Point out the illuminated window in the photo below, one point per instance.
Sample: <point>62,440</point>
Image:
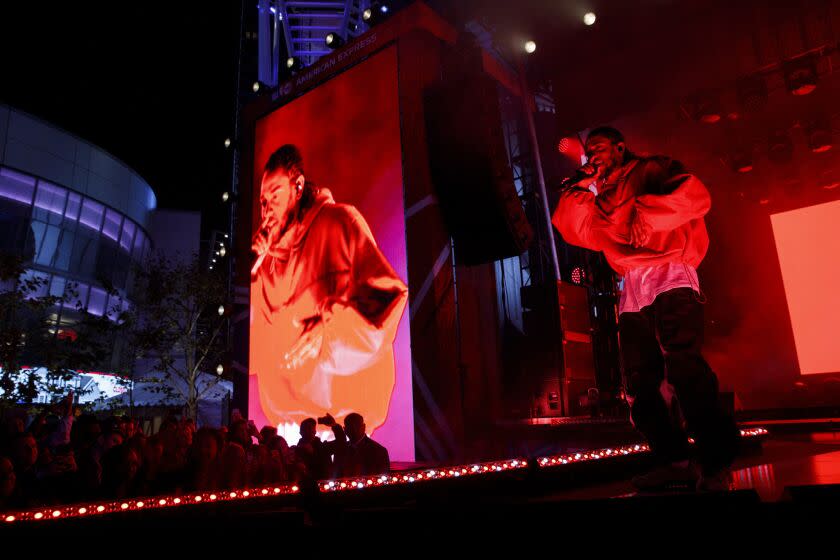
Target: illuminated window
<point>92,213</point>
<point>16,186</point>
<point>113,222</point>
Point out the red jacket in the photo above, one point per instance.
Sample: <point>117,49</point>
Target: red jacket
<point>330,268</point>
<point>668,199</point>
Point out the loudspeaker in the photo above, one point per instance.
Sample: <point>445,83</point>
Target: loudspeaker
<point>470,170</point>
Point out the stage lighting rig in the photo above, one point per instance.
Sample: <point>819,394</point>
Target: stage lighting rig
<point>377,13</point>
<point>801,75</point>
<point>228,196</point>
<point>294,64</point>
<point>334,40</point>
<point>819,136</point>
<point>741,161</point>
<point>260,88</point>
<point>704,107</point>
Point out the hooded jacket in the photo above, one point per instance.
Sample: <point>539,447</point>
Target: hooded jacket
<point>661,193</point>
<point>329,267</point>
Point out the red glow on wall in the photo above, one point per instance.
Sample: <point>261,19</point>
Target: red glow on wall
<point>808,245</point>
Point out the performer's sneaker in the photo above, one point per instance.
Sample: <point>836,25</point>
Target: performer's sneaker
<point>718,481</point>
<point>667,477</point>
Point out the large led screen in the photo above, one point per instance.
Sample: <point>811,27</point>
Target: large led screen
<point>329,332</point>
<point>808,244</point>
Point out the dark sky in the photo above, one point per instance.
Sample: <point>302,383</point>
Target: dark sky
<point>151,82</point>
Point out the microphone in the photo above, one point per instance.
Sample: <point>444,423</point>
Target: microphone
<point>583,172</point>
<point>260,256</point>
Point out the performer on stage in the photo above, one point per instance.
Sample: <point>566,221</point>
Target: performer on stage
<point>325,303</point>
<point>647,219</point>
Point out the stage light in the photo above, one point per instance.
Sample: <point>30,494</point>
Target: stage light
<point>819,136</point>
<point>589,18</point>
<point>752,93</point>
<point>228,196</point>
<point>578,275</point>
<point>801,75</point>
<point>226,236</point>
<point>228,142</point>
<point>780,146</point>
<point>222,251</point>
<point>221,310</point>
<point>741,161</point>
<point>530,47</point>
<point>220,369</point>
<point>564,146</point>
<point>705,107</point>
<point>294,64</point>
<point>334,40</point>
<point>376,13</point>
<point>260,88</point>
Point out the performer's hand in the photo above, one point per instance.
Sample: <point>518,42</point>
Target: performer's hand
<point>639,231</point>
<point>266,236</point>
<point>308,345</point>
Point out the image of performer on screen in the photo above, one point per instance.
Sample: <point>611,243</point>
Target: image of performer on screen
<point>325,303</point>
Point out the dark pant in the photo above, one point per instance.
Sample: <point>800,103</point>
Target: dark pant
<point>662,341</point>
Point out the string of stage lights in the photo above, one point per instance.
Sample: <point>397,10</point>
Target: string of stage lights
<point>341,485</point>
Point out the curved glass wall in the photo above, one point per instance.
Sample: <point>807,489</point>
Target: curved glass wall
<point>68,238</point>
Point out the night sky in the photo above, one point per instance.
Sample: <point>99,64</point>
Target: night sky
<point>151,82</point>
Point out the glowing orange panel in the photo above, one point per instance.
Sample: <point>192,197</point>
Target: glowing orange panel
<point>808,244</point>
<point>328,328</point>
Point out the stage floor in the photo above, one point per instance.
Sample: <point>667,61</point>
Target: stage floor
<point>785,460</point>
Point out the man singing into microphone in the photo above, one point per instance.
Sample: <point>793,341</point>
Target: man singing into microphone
<point>647,219</point>
<point>325,303</point>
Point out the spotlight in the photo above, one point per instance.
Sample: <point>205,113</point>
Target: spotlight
<point>705,108</point>
<point>377,12</point>
<point>228,196</point>
<point>752,93</point>
<point>741,161</point>
<point>589,18</point>
<point>221,311</point>
<point>819,136</point>
<point>228,142</point>
<point>220,369</point>
<point>294,64</point>
<point>578,275</point>
<point>222,251</point>
<point>564,146</point>
<point>530,47</point>
<point>780,147</point>
<point>334,40</point>
<point>260,88</point>
<point>801,75</point>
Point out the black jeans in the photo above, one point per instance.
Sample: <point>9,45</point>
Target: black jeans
<point>661,341</point>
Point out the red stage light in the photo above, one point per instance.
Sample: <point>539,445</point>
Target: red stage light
<point>565,145</point>
<point>578,275</point>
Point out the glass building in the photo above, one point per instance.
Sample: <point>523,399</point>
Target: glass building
<point>77,215</point>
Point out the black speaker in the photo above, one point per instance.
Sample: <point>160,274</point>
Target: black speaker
<point>470,169</point>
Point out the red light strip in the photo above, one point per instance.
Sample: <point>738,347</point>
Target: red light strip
<point>405,478</point>
<point>102,508</point>
<point>411,477</point>
<point>586,456</point>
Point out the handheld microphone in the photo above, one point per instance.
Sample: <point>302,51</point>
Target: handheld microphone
<point>260,256</point>
<point>583,172</point>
